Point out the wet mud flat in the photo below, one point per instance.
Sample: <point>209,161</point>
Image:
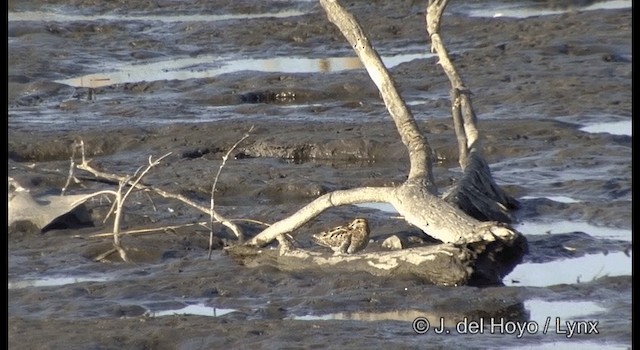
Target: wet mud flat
<point>537,83</point>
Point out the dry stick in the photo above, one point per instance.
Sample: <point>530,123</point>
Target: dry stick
<point>153,205</point>
<point>116,222</point>
<point>458,126</point>
<point>94,194</point>
<point>142,230</point>
<point>105,254</point>
<point>213,189</point>
<point>253,221</point>
<point>120,199</point>
<point>100,174</point>
<point>460,93</point>
<point>72,166</point>
<point>118,205</point>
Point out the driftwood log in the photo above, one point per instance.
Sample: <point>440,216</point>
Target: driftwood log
<point>478,246</point>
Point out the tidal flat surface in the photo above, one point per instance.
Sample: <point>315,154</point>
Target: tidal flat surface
<point>551,86</point>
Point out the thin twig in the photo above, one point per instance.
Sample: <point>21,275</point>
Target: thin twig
<point>120,199</point>
<point>213,189</point>
<point>83,199</point>
<point>116,222</point>
<point>113,177</point>
<point>72,166</point>
<point>141,231</point>
<point>253,221</point>
<point>153,205</point>
<point>105,254</point>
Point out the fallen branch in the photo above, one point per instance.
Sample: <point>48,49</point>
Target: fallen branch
<point>42,211</point>
<point>444,264</point>
<point>144,230</point>
<point>84,165</point>
<point>472,240</point>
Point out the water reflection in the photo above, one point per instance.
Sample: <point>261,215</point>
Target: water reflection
<point>559,199</point>
<point>539,228</point>
<point>210,66</point>
<point>573,345</point>
<point>196,309</point>
<point>570,271</point>
<point>448,319</point>
<point>53,281</point>
<point>540,310</point>
<point>42,16</point>
<point>517,10</point>
<point>400,315</point>
<point>613,128</point>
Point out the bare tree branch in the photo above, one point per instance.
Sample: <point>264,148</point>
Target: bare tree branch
<point>212,214</point>
<point>460,96</point>
<point>476,193</point>
<point>415,200</point>
<point>419,149</point>
<point>320,204</point>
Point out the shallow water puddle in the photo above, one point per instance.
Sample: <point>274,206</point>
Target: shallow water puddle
<point>43,16</point>
<point>581,269</point>
<point>436,319</point>
<point>541,310</point>
<point>196,309</point>
<point>210,66</point>
<point>570,271</point>
<point>538,228</point>
<point>401,315</point>
<point>614,128</point>
<point>55,281</point>
<point>384,207</point>
<point>559,199</point>
<point>516,10</point>
<point>573,345</point>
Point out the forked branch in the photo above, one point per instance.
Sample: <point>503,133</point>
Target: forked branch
<point>476,192</point>
<point>84,165</point>
<point>416,199</point>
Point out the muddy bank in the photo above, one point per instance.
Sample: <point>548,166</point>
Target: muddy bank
<point>536,83</point>
<point>278,163</point>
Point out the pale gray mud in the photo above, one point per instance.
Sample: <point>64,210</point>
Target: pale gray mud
<point>144,78</point>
